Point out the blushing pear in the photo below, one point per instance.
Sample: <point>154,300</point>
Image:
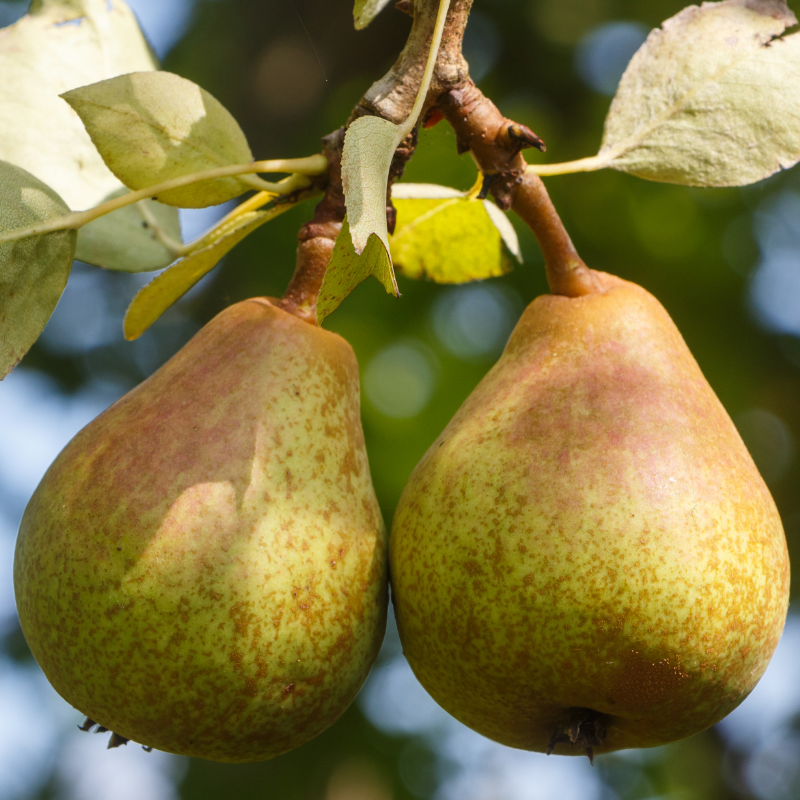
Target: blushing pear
<point>587,558</point>
<point>203,568</point>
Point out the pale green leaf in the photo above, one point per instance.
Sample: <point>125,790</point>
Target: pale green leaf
<point>347,269</point>
<point>710,99</point>
<point>33,271</point>
<point>369,147</point>
<point>168,287</point>
<point>448,240</point>
<point>150,127</point>
<point>58,45</point>
<point>147,239</point>
<point>366,10</point>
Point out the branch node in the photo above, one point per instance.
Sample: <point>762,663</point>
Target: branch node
<point>496,144</point>
<point>524,137</point>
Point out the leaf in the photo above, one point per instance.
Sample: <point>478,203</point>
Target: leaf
<point>144,241</point>
<point>505,229</point>
<point>58,45</point>
<point>369,147</point>
<point>150,127</point>
<point>710,99</point>
<point>33,271</point>
<point>362,247</point>
<point>412,191</point>
<point>168,287</point>
<point>366,10</point>
<point>448,236</point>
<point>347,269</point>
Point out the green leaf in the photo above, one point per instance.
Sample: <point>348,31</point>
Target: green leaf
<point>366,10</point>
<point>58,45</point>
<point>150,127</point>
<point>168,287</point>
<point>446,236</point>
<point>33,271</point>
<point>347,269</point>
<point>710,99</point>
<point>148,236</point>
<point>369,147</point>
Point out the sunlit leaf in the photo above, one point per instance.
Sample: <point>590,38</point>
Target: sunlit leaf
<point>366,10</point>
<point>710,99</point>
<point>168,287</point>
<point>153,126</point>
<point>347,269</point>
<point>446,236</point>
<point>33,271</point>
<point>504,227</point>
<point>58,45</point>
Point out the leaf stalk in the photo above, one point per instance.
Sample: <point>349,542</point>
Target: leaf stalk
<point>301,167</point>
<point>590,164</point>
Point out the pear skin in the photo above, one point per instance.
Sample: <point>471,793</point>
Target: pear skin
<point>203,567</point>
<point>587,557</point>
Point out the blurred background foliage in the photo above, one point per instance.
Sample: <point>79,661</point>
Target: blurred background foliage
<point>723,262</point>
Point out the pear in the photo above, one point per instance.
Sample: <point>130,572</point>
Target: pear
<point>587,558</point>
<point>203,567</point>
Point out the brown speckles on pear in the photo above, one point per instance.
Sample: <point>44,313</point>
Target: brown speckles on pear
<point>615,547</point>
<point>230,480</point>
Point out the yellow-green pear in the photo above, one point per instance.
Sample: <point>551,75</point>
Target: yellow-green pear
<point>203,568</point>
<point>587,557</point>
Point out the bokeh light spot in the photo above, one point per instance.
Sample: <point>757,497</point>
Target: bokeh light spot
<point>475,321</point>
<point>399,380</point>
<point>604,53</point>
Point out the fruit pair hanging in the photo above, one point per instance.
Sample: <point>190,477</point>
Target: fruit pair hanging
<point>585,560</point>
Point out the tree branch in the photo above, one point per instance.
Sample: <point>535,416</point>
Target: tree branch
<point>496,143</point>
<point>392,97</point>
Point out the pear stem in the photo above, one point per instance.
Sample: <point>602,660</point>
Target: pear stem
<point>567,274</point>
<point>496,144</point>
<point>317,238</point>
<point>313,255</point>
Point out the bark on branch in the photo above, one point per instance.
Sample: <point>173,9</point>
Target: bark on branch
<point>496,143</point>
<point>392,97</point>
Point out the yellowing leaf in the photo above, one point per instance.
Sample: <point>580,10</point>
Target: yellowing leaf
<point>167,288</point>
<point>58,45</point>
<point>150,127</point>
<point>504,227</point>
<point>366,10</point>
<point>33,271</point>
<point>710,99</point>
<point>446,236</point>
<point>347,269</point>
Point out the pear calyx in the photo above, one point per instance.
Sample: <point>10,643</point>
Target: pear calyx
<point>581,727</point>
